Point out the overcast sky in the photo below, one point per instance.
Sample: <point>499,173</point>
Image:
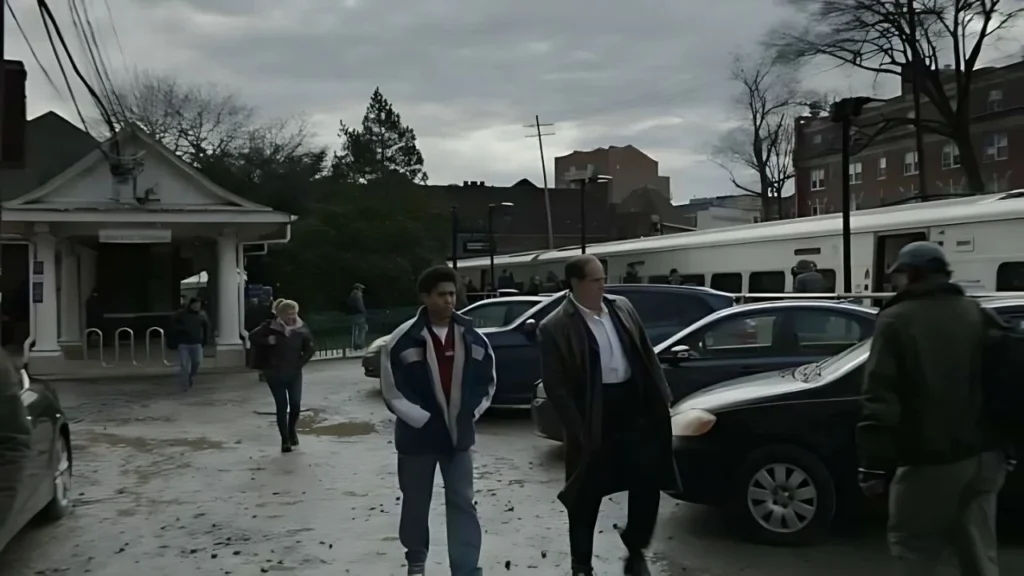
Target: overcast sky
<point>465,74</point>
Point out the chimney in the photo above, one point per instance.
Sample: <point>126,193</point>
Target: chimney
<point>482,183</point>
<point>14,114</point>
<point>465,182</point>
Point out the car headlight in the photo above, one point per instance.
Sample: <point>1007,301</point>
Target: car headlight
<point>540,391</point>
<point>376,345</point>
<point>694,422</point>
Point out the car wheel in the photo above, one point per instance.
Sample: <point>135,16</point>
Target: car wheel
<point>782,495</point>
<point>60,505</point>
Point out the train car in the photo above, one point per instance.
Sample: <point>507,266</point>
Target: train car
<point>983,237</point>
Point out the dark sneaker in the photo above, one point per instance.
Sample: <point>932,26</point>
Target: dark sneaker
<point>294,439</point>
<point>582,570</point>
<point>417,569</point>
<point>286,447</point>
<point>636,565</point>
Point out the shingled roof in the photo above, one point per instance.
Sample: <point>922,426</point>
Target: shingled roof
<point>53,144</point>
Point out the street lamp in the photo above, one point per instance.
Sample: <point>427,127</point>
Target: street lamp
<point>584,177</point>
<point>843,112</point>
<point>455,237</point>
<point>490,237</point>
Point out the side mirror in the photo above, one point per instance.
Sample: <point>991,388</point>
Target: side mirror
<point>530,328</point>
<point>676,354</point>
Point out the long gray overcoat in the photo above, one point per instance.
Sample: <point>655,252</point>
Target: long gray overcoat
<point>572,380</point>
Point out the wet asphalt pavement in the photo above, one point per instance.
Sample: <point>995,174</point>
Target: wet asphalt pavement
<point>171,483</point>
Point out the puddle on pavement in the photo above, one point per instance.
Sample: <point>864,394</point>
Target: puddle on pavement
<point>314,423</point>
<point>150,444</point>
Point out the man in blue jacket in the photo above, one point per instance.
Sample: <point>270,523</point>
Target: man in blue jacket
<point>437,377</point>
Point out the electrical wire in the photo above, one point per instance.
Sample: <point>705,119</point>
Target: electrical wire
<point>63,72</point>
<point>31,49</point>
<point>87,33</point>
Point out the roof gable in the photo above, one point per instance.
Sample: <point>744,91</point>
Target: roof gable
<point>45,160</point>
<point>164,168</point>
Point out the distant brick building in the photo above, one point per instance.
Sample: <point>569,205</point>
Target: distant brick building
<point>887,170</point>
<point>629,168</point>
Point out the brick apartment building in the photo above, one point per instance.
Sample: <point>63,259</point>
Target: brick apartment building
<point>887,170</point>
<point>629,168</point>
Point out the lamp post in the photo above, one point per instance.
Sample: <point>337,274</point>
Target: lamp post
<point>455,237</point>
<point>490,237</point>
<point>843,112</point>
<point>584,177</point>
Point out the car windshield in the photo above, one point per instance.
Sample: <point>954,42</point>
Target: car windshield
<point>832,364</point>
<point>550,303</point>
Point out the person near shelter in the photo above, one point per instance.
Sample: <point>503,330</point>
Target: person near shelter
<point>192,331</point>
<point>924,417</point>
<point>357,309</point>
<point>807,279</point>
<point>437,378</point>
<point>286,346</point>
<point>605,382</point>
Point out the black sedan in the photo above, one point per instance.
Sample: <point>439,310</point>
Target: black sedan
<point>777,451</point>
<point>744,340</point>
<point>35,457</point>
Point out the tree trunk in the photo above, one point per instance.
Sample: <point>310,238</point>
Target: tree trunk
<point>970,162</point>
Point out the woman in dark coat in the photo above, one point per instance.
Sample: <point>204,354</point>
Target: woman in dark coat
<point>284,346</point>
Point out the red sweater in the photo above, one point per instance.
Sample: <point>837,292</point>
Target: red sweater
<point>444,353</point>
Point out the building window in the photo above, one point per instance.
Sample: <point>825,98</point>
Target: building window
<point>910,163</point>
<point>817,207</point>
<point>883,167</point>
<point>856,173</point>
<point>950,156</point>
<point>818,179</point>
<point>995,101</point>
<point>997,147</point>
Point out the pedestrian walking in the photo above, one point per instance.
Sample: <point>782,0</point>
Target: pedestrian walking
<point>192,331</point>
<point>607,386</point>
<point>437,378</point>
<point>924,419</point>
<point>807,279</point>
<point>287,345</point>
<point>357,309</point>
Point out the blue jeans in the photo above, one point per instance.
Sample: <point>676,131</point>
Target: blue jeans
<point>359,328</point>
<point>190,356</point>
<point>416,480</point>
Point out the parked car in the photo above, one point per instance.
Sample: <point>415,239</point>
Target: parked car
<point>663,309</point>
<point>743,340</point>
<point>777,451</point>
<point>490,313</point>
<point>44,483</point>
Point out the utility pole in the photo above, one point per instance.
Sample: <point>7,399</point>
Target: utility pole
<point>3,78</point>
<point>544,170</point>
<point>843,112</point>
<point>915,79</point>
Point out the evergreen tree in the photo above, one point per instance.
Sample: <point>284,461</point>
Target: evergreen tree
<point>381,147</point>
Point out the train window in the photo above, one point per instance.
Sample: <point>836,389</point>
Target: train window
<point>692,279</point>
<point>1010,277</point>
<point>767,282</point>
<point>731,282</point>
<point>829,276</point>
<point>658,279</point>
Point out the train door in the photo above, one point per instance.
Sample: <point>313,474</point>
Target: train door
<point>887,247</point>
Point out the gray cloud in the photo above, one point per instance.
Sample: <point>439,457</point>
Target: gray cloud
<point>465,74</point>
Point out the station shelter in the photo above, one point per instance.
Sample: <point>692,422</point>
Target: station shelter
<point>93,258</point>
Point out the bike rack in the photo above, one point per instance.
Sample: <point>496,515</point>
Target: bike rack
<point>117,344</point>
<point>163,345</point>
<point>85,346</point>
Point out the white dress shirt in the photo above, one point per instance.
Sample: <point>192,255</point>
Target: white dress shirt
<point>614,362</point>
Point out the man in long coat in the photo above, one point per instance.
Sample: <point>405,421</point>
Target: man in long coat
<point>603,378</point>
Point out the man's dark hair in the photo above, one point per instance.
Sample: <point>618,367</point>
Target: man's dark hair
<point>192,301</point>
<point>435,275</point>
<point>673,271</point>
<point>576,268</point>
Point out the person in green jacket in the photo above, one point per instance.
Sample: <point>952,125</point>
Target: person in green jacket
<point>924,420</point>
<point>15,437</point>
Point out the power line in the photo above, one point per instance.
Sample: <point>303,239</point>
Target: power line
<point>60,65</point>
<point>544,170</point>
<point>32,49</point>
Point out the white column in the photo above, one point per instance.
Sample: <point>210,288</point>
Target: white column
<point>70,303</point>
<point>46,311</point>
<point>227,292</point>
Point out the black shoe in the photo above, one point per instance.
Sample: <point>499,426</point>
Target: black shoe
<point>293,439</point>
<point>286,447</point>
<point>636,565</point>
<point>582,570</point>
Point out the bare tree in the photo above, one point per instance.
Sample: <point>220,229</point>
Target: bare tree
<point>915,39</point>
<point>194,122</point>
<point>763,145</point>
